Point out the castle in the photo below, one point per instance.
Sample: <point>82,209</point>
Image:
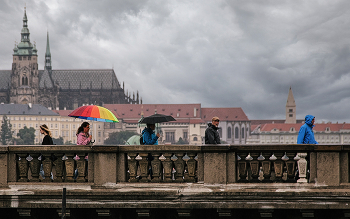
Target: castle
<point>57,89</point>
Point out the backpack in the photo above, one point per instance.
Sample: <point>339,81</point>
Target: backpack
<point>141,140</point>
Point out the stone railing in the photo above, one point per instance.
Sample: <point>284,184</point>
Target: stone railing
<point>210,164</point>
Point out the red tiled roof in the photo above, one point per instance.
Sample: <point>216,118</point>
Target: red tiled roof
<point>225,114</point>
<point>134,111</point>
<point>283,127</point>
<point>319,127</point>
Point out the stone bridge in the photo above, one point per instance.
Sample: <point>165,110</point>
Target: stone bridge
<point>175,181</point>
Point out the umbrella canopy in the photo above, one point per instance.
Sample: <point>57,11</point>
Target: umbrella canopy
<point>156,118</point>
<point>93,112</point>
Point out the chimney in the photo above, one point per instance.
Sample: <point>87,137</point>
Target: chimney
<point>30,105</point>
<point>49,108</point>
<point>57,108</point>
<point>64,108</point>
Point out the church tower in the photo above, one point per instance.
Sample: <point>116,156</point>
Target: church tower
<point>48,55</point>
<point>25,74</point>
<point>290,108</point>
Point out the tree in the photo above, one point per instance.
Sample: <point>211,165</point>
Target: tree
<point>181,141</point>
<point>6,131</point>
<point>119,137</point>
<point>58,141</point>
<point>26,136</point>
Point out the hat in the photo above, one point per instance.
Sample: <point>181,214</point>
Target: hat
<point>215,118</point>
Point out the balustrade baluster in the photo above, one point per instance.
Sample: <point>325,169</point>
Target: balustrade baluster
<point>70,167</point>
<point>132,165</point>
<point>168,167</point>
<point>291,166</point>
<point>266,167</point>
<point>156,167</point>
<point>34,165</point>
<point>242,168</point>
<point>302,168</point>
<point>191,168</point>
<point>278,165</point>
<point>254,167</point>
<point>179,167</point>
<point>144,167</point>
<point>81,166</point>
<point>47,166</point>
<point>59,164</point>
<point>23,167</point>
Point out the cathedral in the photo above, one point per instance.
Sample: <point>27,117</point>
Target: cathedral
<point>57,89</point>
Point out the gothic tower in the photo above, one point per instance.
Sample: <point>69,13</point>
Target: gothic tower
<point>25,74</point>
<point>290,108</point>
<point>48,55</point>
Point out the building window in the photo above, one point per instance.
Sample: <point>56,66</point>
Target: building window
<point>243,132</point>
<point>229,132</point>
<point>290,110</point>
<point>99,134</point>
<point>170,137</point>
<point>112,125</point>
<point>290,115</point>
<point>195,139</point>
<point>236,132</point>
<point>185,135</point>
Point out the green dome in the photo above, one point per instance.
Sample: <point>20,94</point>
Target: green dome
<point>133,140</point>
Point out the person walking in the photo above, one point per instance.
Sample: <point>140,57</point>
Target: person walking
<point>211,133</point>
<point>148,135</point>
<point>83,136</point>
<point>306,134</point>
<point>47,140</point>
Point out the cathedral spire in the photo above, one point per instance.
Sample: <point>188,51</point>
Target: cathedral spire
<point>48,55</point>
<point>290,108</point>
<point>25,48</point>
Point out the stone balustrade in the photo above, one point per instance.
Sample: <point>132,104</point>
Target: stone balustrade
<point>211,164</point>
<point>216,181</point>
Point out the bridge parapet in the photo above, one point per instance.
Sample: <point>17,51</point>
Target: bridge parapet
<point>211,164</point>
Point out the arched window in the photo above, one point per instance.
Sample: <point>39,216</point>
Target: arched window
<point>229,132</point>
<point>24,80</point>
<point>236,132</point>
<point>242,132</point>
<point>195,139</point>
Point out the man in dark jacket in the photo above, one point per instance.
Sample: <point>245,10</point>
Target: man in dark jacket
<point>211,133</point>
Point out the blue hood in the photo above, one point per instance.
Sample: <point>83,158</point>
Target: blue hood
<point>308,119</point>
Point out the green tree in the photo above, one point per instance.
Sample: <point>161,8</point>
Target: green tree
<point>58,141</point>
<point>6,131</point>
<point>181,141</point>
<point>26,136</point>
<point>68,143</point>
<point>119,137</point>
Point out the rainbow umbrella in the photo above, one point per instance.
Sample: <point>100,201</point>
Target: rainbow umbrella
<point>93,112</point>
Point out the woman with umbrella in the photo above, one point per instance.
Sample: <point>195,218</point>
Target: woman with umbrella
<point>83,137</point>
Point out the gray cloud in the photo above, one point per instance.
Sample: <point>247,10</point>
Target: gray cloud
<point>219,53</point>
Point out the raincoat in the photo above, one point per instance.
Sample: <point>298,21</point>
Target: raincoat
<point>149,137</point>
<point>306,135</point>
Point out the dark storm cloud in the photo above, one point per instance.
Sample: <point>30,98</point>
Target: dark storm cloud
<point>219,53</point>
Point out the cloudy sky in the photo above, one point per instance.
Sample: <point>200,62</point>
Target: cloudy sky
<point>237,53</point>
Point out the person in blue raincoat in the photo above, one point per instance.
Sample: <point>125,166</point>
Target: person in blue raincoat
<point>306,135</point>
<point>148,135</point>
<point>150,138</point>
